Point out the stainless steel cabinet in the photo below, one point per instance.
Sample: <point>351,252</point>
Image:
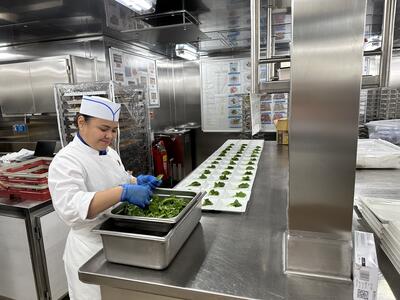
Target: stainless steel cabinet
<point>32,245</point>
<point>15,87</point>
<point>54,235</point>
<point>17,280</point>
<point>28,87</point>
<point>43,76</point>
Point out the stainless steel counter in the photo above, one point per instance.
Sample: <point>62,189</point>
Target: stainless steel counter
<point>35,256</point>
<point>17,204</point>
<point>230,256</point>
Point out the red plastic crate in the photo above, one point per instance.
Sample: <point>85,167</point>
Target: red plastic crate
<point>26,180</point>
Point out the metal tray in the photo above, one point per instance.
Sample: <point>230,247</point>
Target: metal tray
<point>137,246</point>
<point>156,224</point>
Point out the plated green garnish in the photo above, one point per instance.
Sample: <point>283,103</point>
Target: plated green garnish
<point>243,186</point>
<point>223,177</point>
<point>240,195</point>
<point>213,193</point>
<point>207,202</point>
<point>235,203</point>
<point>219,184</point>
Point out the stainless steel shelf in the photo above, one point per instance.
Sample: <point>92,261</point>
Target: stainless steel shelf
<point>283,86</point>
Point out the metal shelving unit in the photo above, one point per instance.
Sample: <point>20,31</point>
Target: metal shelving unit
<point>134,124</point>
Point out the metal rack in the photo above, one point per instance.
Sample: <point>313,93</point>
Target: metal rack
<point>379,104</point>
<point>133,141</point>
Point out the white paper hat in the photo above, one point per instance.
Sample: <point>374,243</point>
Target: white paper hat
<point>100,107</point>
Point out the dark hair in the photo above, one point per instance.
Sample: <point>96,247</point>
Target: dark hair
<point>86,117</point>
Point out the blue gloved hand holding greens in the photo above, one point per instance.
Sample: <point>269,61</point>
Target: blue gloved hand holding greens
<point>139,195</point>
<point>148,180</point>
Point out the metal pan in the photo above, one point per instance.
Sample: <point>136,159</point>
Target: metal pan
<point>156,224</point>
<point>137,246</point>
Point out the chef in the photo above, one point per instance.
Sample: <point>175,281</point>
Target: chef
<point>85,179</point>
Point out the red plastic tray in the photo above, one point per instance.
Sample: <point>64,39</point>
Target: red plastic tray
<point>26,194</point>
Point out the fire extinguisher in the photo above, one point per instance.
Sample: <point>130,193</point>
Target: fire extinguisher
<point>160,158</point>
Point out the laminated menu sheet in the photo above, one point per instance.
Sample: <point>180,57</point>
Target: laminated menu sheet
<point>273,107</point>
<point>133,70</point>
<point>225,84</point>
<point>377,154</point>
<point>227,176</point>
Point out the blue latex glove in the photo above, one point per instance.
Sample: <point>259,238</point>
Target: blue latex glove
<point>139,195</point>
<point>148,180</point>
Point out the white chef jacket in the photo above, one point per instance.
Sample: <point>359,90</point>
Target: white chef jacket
<point>76,173</point>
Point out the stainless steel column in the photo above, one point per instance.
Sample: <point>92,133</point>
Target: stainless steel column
<point>326,68</point>
<point>389,16</point>
<point>255,45</point>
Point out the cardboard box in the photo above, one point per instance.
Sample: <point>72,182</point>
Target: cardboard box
<point>282,133</point>
<point>365,267</point>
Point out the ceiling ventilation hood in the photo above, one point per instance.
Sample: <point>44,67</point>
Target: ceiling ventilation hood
<point>171,23</point>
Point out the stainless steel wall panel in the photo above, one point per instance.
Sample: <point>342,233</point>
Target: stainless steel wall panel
<point>191,85</point>
<point>16,92</point>
<point>326,68</point>
<point>163,116</point>
<point>44,74</point>
<point>84,69</point>
<point>179,92</point>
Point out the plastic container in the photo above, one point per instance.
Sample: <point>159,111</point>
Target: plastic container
<point>388,130</point>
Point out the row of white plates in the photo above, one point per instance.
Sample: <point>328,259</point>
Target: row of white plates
<point>223,201</point>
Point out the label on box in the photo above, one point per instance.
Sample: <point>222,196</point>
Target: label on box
<point>365,267</point>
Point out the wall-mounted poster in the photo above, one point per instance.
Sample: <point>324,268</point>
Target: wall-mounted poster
<point>224,84</point>
<point>131,69</point>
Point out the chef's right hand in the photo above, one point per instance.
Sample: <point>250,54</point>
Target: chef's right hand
<point>139,195</point>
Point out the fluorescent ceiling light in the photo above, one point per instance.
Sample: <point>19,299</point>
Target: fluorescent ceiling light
<point>186,51</point>
<point>9,56</point>
<point>139,6</point>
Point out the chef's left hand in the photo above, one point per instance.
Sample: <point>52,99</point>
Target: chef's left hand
<point>148,180</point>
